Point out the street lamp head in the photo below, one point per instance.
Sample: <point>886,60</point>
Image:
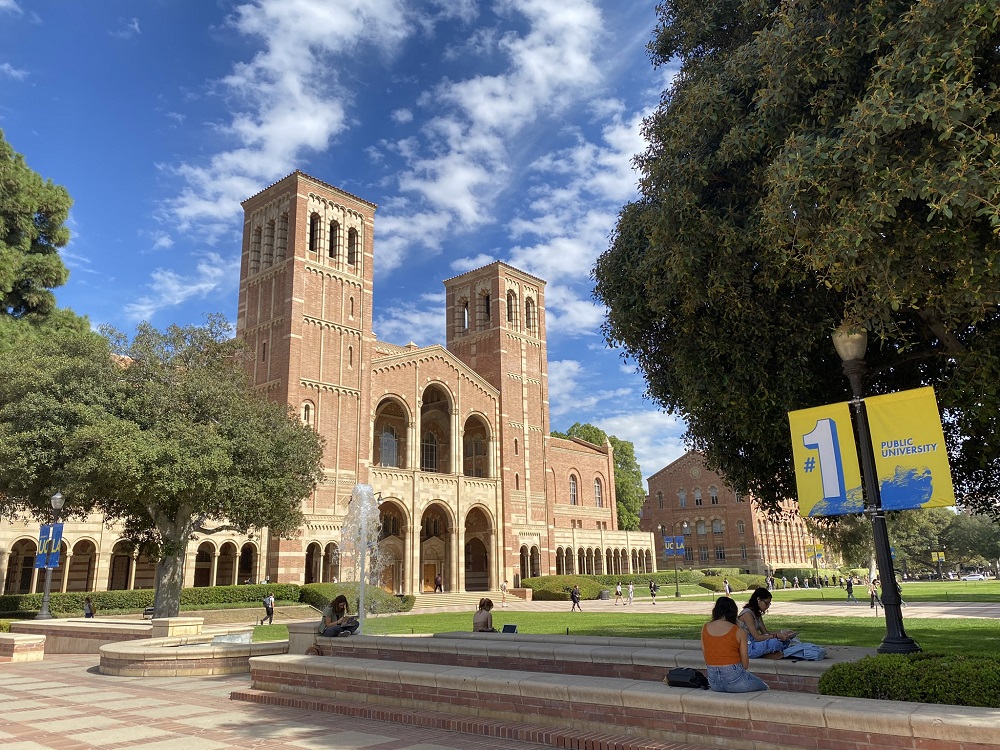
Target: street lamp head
<point>57,501</point>
<point>684,525</point>
<point>850,341</point>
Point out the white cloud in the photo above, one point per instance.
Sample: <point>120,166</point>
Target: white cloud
<point>168,288</point>
<point>402,116</point>
<point>128,29</point>
<point>656,436</point>
<point>10,71</point>
<point>422,324</point>
<point>570,393</point>
<point>162,241</point>
<point>291,98</point>
<point>10,6</point>
<point>461,265</point>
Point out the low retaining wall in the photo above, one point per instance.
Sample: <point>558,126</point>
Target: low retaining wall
<point>774,720</point>
<point>183,655</point>
<point>81,636</point>
<point>17,647</point>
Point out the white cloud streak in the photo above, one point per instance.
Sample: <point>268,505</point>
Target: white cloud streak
<point>169,288</point>
<point>8,70</point>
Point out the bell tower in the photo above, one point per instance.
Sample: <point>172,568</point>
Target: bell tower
<point>496,325</point>
<point>305,310</point>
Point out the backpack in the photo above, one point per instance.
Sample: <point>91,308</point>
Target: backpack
<point>802,650</point>
<point>686,677</point>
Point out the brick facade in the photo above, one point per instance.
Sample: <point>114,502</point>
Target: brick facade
<point>455,437</point>
<point>724,529</point>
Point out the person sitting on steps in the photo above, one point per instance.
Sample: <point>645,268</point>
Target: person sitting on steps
<point>760,642</point>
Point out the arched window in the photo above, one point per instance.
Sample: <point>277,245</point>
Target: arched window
<point>529,314</point>
<point>281,244</point>
<point>572,489</point>
<point>333,246</point>
<point>659,500</point>
<point>513,316</point>
<point>352,246</point>
<point>269,244</point>
<point>515,446</point>
<point>713,493</point>
<point>429,452</point>
<point>388,447</point>
<point>598,499</point>
<point>314,233</point>
<point>697,496</point>
<point>517,481</point>
<point>682,498</point>
<point>716,526</point>
<point>483,311</point>
<point>255,250</point>
<point>308,413</point>
<point>351,312</point>
<point>350,357</point>
<point>700,528</point>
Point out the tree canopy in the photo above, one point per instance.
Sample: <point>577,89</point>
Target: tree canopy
<point>32,216</point>
<point>629,493</point>
<point>814,164</point>
<point>162,434</point>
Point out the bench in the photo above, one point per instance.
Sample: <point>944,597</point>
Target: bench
<point>626,658</point>
<point>148,612</point>
<point>501,702</point>
<point>21,647</point>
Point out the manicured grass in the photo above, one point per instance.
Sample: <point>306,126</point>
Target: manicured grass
<point>958,635</point>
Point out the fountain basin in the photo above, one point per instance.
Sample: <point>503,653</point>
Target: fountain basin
<point>183,655</point>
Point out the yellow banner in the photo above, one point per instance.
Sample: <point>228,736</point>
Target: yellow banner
<point>911,459</point>
<point>827,475</point>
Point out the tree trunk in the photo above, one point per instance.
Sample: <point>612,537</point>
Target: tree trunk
<point>169,580</point>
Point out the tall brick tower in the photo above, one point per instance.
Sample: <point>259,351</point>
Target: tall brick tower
<point>305,310</point>
<point>496,325</point>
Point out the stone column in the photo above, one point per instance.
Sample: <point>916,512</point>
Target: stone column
<point>68,557</point>
<point>133,562</point>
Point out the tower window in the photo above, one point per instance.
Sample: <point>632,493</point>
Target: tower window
<point>352,247</point>
<point>598,499</point>
<point>572,489</point>
<point>513,317</point>
<point>255,251</point>
<point>334,241</point>
<point>529,314</point>
<point>314,233</point>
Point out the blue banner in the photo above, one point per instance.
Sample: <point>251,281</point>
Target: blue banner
<point>673,545</point>
<point>49,544</point>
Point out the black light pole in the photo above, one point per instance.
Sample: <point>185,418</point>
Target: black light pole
<point>851,343</point>
<point>57,501</point>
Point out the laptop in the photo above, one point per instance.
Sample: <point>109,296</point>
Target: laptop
<point>509,629</point>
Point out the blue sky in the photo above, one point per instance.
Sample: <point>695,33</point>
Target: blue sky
<point>484,131</point>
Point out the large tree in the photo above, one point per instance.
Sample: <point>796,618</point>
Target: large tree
<point>814,164</point>
<point>162,434</point>
<point>629,493</point>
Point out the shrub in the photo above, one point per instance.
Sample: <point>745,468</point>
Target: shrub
<point>377,600</point>
<point>951,679</point>
<point>663,577</point>
<point>755,582</point>
<point>557,588</point>
<point>717,583</point>
<point>406,602</point>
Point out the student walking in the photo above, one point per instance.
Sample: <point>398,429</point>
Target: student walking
<point>850,591</point>
<point>653,588</point>
<point>574,597</point>
<point>503,594</point>
<point>618,594</point>
<point>268,609</point>
<point>631,593</point>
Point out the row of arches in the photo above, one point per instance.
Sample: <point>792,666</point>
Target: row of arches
<point>592,561</point>
<point>269,243</point>
<point>327,238</point>
<point>481,308</point>
<point>125,567</point>
<point>428,446</point>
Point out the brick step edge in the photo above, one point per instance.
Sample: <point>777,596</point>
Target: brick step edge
<point>569,739</point>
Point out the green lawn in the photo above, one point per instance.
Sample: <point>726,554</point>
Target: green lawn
<point>924,591</point>
<point>957,635</point>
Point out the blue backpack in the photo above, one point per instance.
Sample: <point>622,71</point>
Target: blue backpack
<point>805,651</point>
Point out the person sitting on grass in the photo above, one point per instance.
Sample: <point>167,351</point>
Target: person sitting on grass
<point>762,643</point>
<point>336,620</point>
<point>482,621</point>
<point>724,644</point>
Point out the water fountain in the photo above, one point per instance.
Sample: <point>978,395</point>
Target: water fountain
<point>360,537</point>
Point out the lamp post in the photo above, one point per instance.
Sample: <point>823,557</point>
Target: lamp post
<point>57,501</point>
<point>851,343</point>
<point>684,525</point>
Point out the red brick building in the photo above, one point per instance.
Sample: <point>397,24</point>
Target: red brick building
<point>455,437</point>
<point>723,528</point>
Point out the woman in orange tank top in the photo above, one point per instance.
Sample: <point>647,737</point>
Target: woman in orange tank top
<point>726,656</point>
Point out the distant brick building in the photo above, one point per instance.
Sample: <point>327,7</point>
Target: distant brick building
<point>454,437</point>
<point>723,528</point>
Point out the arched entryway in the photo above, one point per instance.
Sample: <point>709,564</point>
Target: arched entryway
<point>435,430</point>
<point>392,546</point>
<point>435,548</point>
<point>248,564</point>
<point>203,562</point>
<point>478,541</point>
<point>226,566</point>
<point>122,562</point>
<point>331,563</point>
<point>82,574</point>
<point>314,563</point>
<point>20,567</point>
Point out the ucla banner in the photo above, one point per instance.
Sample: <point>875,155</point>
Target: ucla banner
<point>49,543</point>
<point>673,545</point>
<point>827,475</point>
<point>911,459</point>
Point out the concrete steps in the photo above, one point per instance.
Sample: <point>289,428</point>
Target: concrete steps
<point>458,600</point>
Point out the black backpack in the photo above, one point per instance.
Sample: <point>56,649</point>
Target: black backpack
<point>686,677</point>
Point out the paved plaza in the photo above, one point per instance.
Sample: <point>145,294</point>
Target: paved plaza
<point>64,703</point>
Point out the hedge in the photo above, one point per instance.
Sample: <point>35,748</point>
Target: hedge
<point>715,583</point>
<point>557,588</point>
<point>663,578</point>
<point>377,600</point>
<point>951,679</point>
